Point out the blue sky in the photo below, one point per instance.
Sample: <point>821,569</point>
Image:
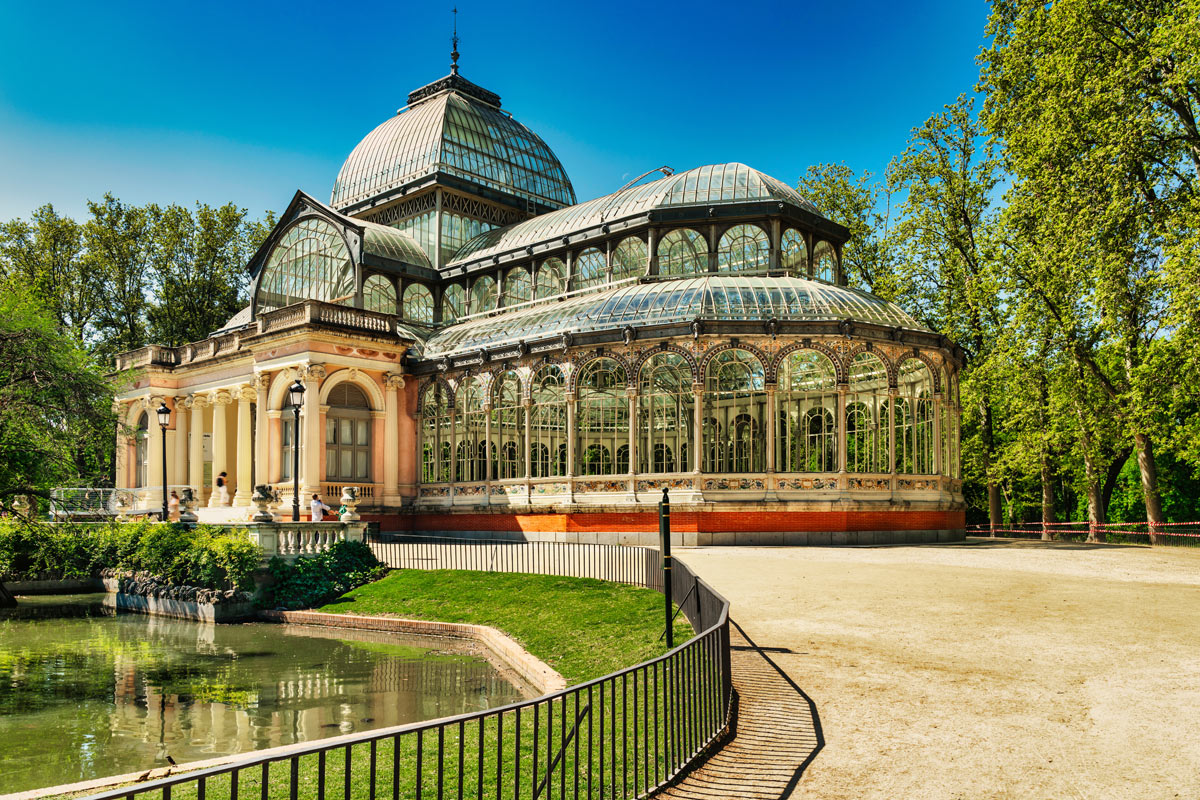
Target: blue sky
<point>247,102</point>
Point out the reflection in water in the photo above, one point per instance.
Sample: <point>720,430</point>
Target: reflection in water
<point>88,696</point>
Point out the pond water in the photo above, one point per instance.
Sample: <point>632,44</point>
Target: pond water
<point>86,694</point>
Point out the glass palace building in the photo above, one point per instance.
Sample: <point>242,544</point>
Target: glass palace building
<point>484,354</point>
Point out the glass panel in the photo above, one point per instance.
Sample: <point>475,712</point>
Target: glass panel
<point>331,463</point>
<point>682,252</point>
<point>330,430</point>
<point>362,438</point>
<point>418,304</point>
<point>744,248</point>
<point>590,269</point>
<point>346,431</point>
<point>347,464</point>
<point>309,262</point>
<point>361,459</point>
<point>629,258</point>
<point>379,294</point>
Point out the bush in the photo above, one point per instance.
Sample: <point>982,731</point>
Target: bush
<point>204,556</point>
<point>314,580</point>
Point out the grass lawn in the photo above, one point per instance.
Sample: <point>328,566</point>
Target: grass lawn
<point>583,628</point>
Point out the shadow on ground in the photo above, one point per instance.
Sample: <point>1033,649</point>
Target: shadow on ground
<point>778,733</point>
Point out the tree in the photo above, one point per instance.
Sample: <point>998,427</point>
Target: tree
<point>1097,103</point>
<point>57,423</point>
<point>947,271</point>
<point>116,240</point>
<point>863,205</point>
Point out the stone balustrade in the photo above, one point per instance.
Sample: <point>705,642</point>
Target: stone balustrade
<point>289,540</point>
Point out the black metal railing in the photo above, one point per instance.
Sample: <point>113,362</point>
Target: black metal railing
<point>620,736</point>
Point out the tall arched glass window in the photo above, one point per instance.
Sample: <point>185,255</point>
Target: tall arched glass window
<point>945,442</point>
<point>379,294</point>
<point>666,421</point>
<point>734,413</point>
<point>483,295</point>
<point>347,435</point>
<point>825,262</point>
<point>508,427</point>
<point>601,416</point>
<point>915,393</point>
<point>682,252</point>
<point>518,288</point>
<point>793,253</point>
<point>744,248</point>
<point>590,269</point>
<point>551,279</point>
<point>436,433</point>
<point>418,304</point>
<point>470,432</point>
<point>807,405</point>
<point>866,416</point>
<point>548,423</point>
<point>629,258</point>
<point>454,302</point>
<point>141,450</point>
<point>310,262</point>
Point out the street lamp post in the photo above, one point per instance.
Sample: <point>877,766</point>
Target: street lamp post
<point>296,395</point>
<point>164,419</point>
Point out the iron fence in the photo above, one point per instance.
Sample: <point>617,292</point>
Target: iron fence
<point>620,736</point>
<point>1178,534</point>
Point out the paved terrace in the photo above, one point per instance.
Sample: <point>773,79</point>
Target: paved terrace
<point>984,669</point>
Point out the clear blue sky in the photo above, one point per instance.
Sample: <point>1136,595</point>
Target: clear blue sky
<point>249,101</point>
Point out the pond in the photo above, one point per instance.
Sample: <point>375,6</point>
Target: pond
<point>85,693</point>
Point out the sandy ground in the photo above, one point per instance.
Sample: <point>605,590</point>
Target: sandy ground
<point>984,669</point>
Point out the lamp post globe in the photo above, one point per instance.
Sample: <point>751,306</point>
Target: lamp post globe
<point>164,419</point>
<point>296,396</point>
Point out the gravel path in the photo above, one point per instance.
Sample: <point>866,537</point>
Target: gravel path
<point>986,669</point>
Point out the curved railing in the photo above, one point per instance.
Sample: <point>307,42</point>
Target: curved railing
<point>624,735</point>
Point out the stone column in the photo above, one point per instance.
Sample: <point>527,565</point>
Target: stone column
<point>220,401</point>
<point>196,451</point>
<point>841,430</point>
<point>154,457</point>
<point>262,429</point>
<point>771,422</point>
<point>698,413</point>
<point>179,470</point>
<point>245,451</point>
<point>631,395</point>
<point>392,384</point>
<point>310,425</point>
<point>121,454</point>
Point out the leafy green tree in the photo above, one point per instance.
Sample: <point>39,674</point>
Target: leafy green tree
<point>863,205</point>
<point>116,238</point>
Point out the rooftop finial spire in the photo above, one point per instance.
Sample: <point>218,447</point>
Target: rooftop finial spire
<point>454,44</point>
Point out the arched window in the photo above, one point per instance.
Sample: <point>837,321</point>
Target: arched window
<point>470,429</point>
<point>548,423</point>
<point>288,441</point>
<point>682,252</point>
<point>347,434</point>
<point>590,269</point>
<point>744,248</point>
<point>793,253</point>
<point>601,416</point>
<point>866,416</point>
<point>806,401</point>
<point>518,288</point>
<point>483,295</point>
<point>436,433</point>
<point>666,413</point>
<point>915,390</point>
<point>734,412</point>
<point>454,302</point>
<point>629,259</point>
<point>379,294</point>
<point>551,279</point>
<point>310,262</point>
<point>141,449</point>
<point>825,262</point>
<point>508,427</point>
<point>418,304</point>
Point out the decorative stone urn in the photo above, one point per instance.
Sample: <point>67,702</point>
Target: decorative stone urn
<point>350,501</point>
<point>262,499</point>
<point>123,502</point>
<point>187,505</point>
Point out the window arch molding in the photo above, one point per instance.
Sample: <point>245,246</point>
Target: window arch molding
<point>839,366</point>
<point>581,366</point>
<point>888,364</point>
<point>423,388</point>
<point>368,386</point>
<point>763,359</point>
<point>636,366</point>
<point>935,369</point>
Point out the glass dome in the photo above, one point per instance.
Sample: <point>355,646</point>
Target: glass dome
<point>456,128</point>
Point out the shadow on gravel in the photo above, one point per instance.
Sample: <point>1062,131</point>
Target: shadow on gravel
<point>778,733</point>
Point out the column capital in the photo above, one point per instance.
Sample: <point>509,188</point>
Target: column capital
<point>313,372</point>
<point>246,393</point>
<point>180,401</point>
<point>393,380</point>
<point>196,401</point>
<point>262,381</point>
<point>221,398</point>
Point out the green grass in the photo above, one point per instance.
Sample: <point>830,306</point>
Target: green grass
<point>583,628</point>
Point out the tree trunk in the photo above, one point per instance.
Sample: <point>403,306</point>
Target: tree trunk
<point>1047,499</point>
<point>1149,473</point>
<point>995,513</point>
<point>1110,481</point>
<point>6,598</point>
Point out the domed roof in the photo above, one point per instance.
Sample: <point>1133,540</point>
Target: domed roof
<point>454,127</point>
<point>715,184</point>
<point>712,297</point>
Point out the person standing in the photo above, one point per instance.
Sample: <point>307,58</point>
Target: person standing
<point>223,489</point>
<point>173,506</point>
<point>318,508</point>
